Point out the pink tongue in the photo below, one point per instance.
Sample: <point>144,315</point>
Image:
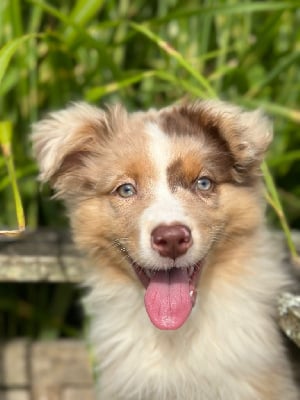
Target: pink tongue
<point>167,299</point>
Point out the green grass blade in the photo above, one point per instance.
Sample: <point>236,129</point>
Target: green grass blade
<point>286,158</point>
<point>7,51</point>
<point>144,30</point>
<point>274,201</point>
<point>67,21</point>
<point>30,169</point>
<point>281,66</point>
<point>84,10</point>
<point>16,18</point>
<point>82,13</point>
<point>5,141</point>
<point>98,92</point>
<point>229,9</point>
<point>272,108</point>
<point>85,37</point>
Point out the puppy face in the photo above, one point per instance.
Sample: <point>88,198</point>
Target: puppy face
<point>158,195</point>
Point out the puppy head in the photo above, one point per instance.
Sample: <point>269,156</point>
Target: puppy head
<point>156,195</point>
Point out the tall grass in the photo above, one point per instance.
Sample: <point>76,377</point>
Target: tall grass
<point>147,54</point>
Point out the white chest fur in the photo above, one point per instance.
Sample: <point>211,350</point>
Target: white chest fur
<point>229,343</point>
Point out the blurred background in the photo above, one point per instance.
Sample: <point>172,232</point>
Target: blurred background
<point>144,54</point>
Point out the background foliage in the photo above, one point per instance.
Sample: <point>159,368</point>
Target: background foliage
<point>146,54</point>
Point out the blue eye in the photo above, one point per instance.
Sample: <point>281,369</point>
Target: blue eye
<point>204,184</point>
<point>126,190</point>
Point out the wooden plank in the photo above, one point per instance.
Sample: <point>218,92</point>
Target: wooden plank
<point>47,256</point>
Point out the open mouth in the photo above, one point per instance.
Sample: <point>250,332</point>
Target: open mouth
<point>170,294</point>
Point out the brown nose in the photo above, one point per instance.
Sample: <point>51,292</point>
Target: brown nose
<point>171,240</point>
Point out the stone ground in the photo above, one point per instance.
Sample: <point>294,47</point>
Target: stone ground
<point>57,370</point>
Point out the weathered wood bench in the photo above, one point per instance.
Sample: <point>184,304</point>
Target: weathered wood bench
<point>60,370</point>
<point>41,370</point>
<point>41,256</point>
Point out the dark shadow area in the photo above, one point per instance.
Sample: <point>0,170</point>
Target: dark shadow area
<point>40,310</point>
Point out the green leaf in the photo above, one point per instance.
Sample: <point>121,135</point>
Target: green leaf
<point>274,200</point>
<point>5,142</point>
<point>287,158</point>
<point>173,53</point>
<point>7,51</point>
<point>84,10</point>
<point>5,133</point>
<point>229,9</point>
<point>81,14</point>
<point>97,92</point>
<point>280,66</point>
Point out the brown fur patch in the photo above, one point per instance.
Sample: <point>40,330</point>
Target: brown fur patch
<point>188,165</point>
<point>185,121</point>
<point>223,130</point>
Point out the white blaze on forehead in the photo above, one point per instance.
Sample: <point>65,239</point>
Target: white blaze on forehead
<point>159,148</point>
<point>165,207</point>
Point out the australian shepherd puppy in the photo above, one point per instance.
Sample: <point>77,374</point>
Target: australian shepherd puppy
<point>168,205</point>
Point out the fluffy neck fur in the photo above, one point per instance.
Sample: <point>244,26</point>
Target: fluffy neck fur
<point>217,347</point>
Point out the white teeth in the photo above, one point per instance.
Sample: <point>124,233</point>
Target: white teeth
<point>148,273</point>
<point>191,293</point>
<point>191,271</point>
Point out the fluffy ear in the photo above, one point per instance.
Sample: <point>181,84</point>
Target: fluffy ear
<point>65,141</point>
<point>247,134</point>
